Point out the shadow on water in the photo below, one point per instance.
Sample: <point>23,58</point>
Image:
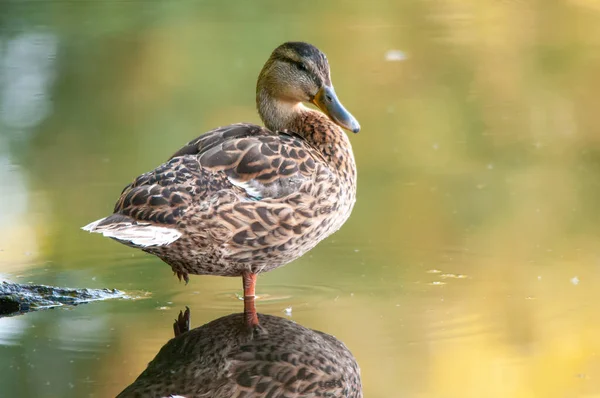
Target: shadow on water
<point>228,358</point>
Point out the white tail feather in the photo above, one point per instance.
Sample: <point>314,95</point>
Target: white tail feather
<point>138,234</point>
<point>91,227</point>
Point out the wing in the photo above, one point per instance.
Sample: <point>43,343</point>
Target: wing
<point>244,160</point>
<point>219,135</point>
<point>161,195</point>
<point>270,166</point>
<point>243,186</point>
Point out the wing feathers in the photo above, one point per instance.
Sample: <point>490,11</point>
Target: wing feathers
<point>241,164</point>
<point>127,230</point>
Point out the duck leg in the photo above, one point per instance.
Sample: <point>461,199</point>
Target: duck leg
<point>249,281</point>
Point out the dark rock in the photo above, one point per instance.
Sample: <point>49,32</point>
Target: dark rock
<point>20,298</point>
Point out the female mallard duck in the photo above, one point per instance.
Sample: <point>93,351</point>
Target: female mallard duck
<point>245,199</point>
<point>225,359</point>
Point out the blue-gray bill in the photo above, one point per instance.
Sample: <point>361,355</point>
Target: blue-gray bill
<point>328,102</point>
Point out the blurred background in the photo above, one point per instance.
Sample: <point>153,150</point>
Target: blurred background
<point>470,265</point>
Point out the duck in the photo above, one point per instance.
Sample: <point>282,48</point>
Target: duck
<point>225,358</point>
<point>244,199</point>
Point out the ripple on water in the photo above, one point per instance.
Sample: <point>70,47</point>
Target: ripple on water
<point>271,297</point>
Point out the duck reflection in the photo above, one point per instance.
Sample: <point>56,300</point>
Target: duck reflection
<point>229,357</point>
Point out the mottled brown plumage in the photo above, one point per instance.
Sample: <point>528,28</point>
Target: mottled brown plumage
<point>226,359</point>
<point>245,199</point>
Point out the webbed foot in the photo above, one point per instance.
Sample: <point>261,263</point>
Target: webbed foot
<point>182,275</point>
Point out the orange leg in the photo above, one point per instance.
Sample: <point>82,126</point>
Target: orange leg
<point>251,316</point>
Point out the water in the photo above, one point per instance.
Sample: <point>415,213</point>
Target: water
<point>470,264</point>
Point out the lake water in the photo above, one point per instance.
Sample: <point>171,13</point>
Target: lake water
<point>471,263</point>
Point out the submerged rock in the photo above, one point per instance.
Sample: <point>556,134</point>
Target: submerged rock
<point>18,298</point>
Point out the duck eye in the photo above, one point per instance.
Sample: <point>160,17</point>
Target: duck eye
<point>301,66</point>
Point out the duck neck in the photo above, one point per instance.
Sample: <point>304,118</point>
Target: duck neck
<point>315,127</point>
<point>277,115</point>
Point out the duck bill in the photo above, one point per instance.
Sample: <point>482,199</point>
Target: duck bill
<point>327,101</point>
